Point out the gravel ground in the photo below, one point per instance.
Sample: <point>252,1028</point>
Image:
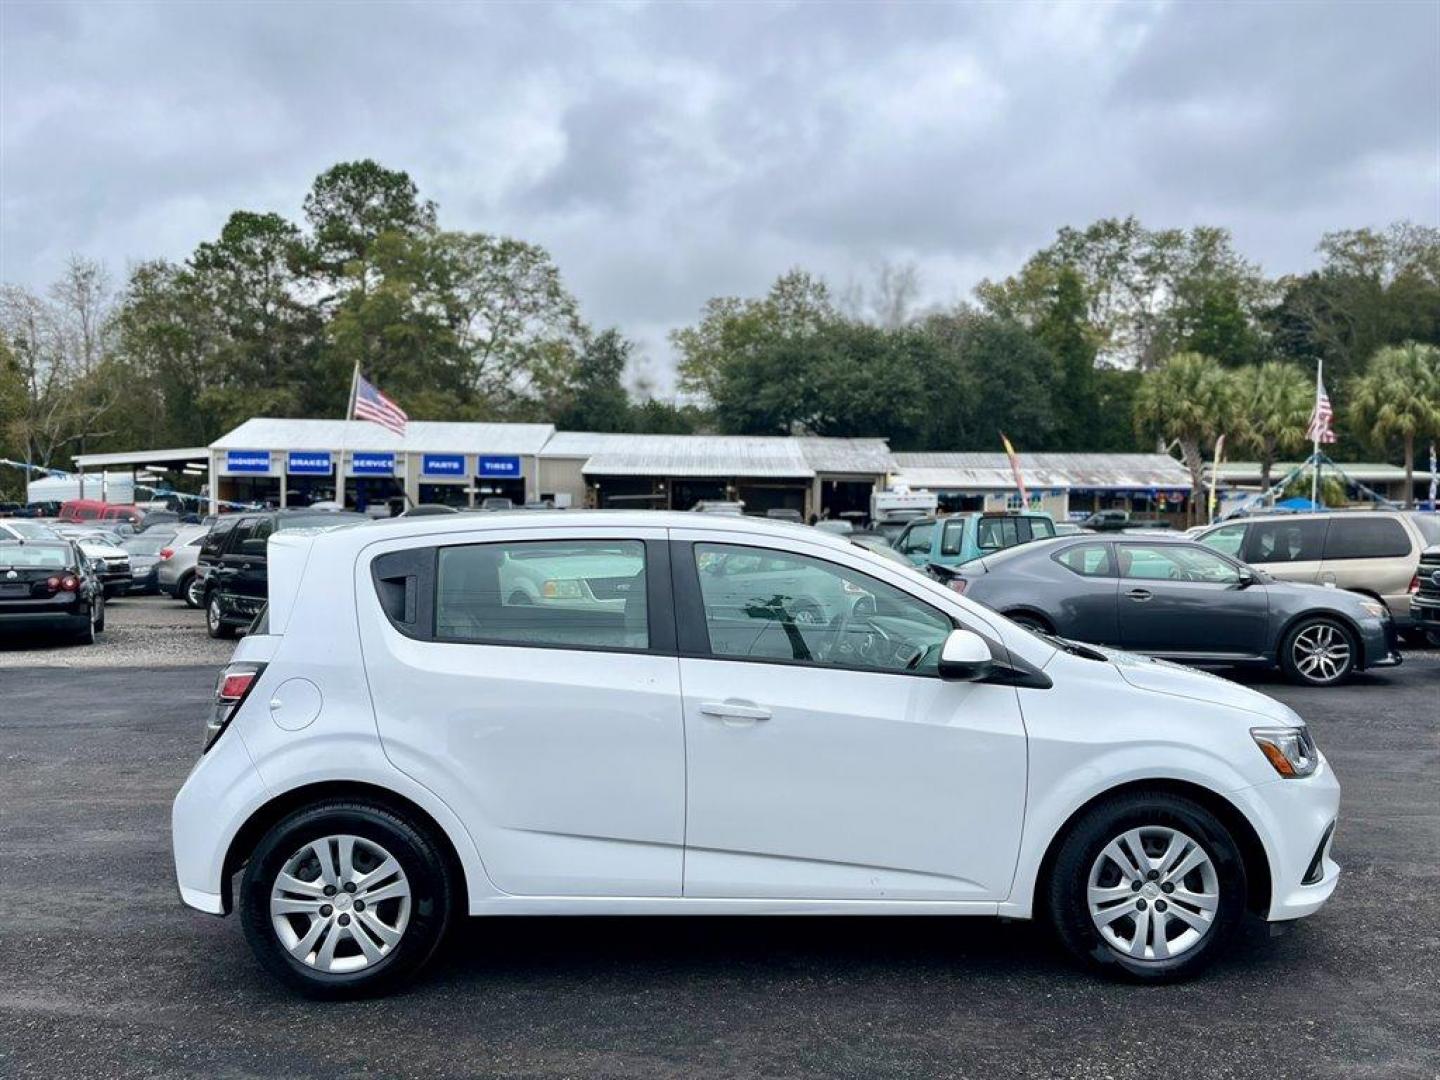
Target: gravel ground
<point>140,631</point>
<point>106,975</point>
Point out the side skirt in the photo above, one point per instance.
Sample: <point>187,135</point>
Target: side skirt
<point>681,905</point>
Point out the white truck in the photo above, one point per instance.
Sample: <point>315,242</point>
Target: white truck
<point>902,502</point>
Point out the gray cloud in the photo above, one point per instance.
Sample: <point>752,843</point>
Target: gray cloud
<point>666,153</point>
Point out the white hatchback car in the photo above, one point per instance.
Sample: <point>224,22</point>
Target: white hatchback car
<point>406,737</point>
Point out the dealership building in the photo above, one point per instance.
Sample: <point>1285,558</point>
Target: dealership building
<point>283,462</point>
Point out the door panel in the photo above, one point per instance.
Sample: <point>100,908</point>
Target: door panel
<point>1183,598</point>
<point>566,764</point>
<point>828,761</point>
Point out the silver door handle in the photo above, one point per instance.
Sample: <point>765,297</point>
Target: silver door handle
<point>1139,595</point>
<point>733,710</point>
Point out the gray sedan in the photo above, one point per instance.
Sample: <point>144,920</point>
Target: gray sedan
<point>1175,599</point>
<point>175,573</point>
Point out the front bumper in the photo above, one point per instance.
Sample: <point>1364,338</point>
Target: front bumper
<point>239,610</point>
<point>1425,611</point>
<point>1292,818</point>
<point>1380,643</point>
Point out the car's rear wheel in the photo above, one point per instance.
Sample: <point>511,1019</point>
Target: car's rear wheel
<point>192,590</point>
<point>215,624</point>
<point>85,635</point>
<point>1147,885</point>
<point>100,614</point>
<point>345,898</point>
<point>1318,652</point>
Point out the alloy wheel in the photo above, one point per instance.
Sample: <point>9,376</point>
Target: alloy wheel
<point>194,595</point>
<point>1321,652</point>
<point>1153,893</point>
<point>340,904</point>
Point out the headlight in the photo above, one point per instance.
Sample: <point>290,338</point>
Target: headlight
<point>1291,750</point>
<point>1374,609</point>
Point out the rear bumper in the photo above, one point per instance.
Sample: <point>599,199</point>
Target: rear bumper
<point>40,612</point>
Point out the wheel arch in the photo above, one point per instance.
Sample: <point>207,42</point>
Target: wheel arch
<point>264,817</point>
<point>1348,623</point>
<point>1258,882</point>
<point>1030,612</point>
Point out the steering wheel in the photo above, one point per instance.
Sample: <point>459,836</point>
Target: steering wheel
<point>839,643</point>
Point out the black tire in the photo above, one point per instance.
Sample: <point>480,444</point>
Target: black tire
<point>1066,890</point>
<point>190,591</point>
<point>426,871</point>
<point>100,619</point>
<point>1307,628</point>
<point>215,624</point>
<point>85,634</point>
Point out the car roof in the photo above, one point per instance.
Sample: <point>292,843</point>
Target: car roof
<point>441,525</point>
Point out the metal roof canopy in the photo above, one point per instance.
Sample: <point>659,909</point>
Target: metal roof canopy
<point>421,436</point>
<point>140,458</point>
<point>1083,472</point>
<point>757,456</point>
<point>624,454</point>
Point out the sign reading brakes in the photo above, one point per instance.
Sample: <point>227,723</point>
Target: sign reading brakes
<point>309,463</point>
<point>488,465</point>
<point>247,461</point>
<point>442,465</point>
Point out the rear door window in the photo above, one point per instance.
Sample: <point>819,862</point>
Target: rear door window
<point>1284,541</point>
<point>1087,560</point>
<point>993,534</point>
<point>1366,538</point>
<point>583,594</point>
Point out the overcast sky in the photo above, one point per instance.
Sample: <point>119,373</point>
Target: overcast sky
<point>666,153</point>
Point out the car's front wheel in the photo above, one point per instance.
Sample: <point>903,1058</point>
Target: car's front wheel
<point>1318,652</point>
<point>345,898</point>
<point>192,591</point>
<point>1149,885</point>
<point>215,624</point>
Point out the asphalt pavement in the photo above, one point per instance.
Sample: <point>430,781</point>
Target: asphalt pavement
<point>104,974</point>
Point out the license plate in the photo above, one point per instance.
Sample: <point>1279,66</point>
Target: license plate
<point>14,588</point>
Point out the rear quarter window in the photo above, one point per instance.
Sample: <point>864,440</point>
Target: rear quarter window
<point>1366,538</point>
<point>1087,560</point>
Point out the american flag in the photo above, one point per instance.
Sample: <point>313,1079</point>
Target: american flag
<point>371,404</point>
<point>1320,430</point>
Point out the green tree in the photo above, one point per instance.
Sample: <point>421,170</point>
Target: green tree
<point>797,306</point>
<point>597,397</point>
<point>1188,401</point>
<point>1064,329</point>
<point>349,207</point>
<point>1273,402</point>
<point>1398,397</point>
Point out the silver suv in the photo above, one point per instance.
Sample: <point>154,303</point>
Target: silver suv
<point>1376,552</point>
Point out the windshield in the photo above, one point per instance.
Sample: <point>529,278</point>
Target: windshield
<point>1429,526</point>
<point>46,556</point>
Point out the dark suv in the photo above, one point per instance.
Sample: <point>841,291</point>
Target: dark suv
<point>233,564</point>
<point>1425,603</point>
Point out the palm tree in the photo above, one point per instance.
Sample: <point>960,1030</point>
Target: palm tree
<point>1188,401</point>
<point>1272,411</point>
<point>1399,396</point>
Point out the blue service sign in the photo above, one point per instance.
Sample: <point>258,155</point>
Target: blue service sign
<point>489,465</point>
<point>372,464</point>
<point>247,461</point>
<point>309,463</point>
<point>442,465</point>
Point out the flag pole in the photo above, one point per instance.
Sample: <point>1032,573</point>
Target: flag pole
<point>345,436</point>
<point>1315,440</point>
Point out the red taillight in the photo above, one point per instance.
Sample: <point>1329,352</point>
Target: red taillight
<point>53,584</point>
<point>69,584</point>
<point>234,685</point>
<point>165,553</point>
<point>957,584</point>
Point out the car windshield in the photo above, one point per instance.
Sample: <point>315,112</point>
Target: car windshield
<point>31,530</point>
<point>1429,526</point>
<point>14,554</point>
